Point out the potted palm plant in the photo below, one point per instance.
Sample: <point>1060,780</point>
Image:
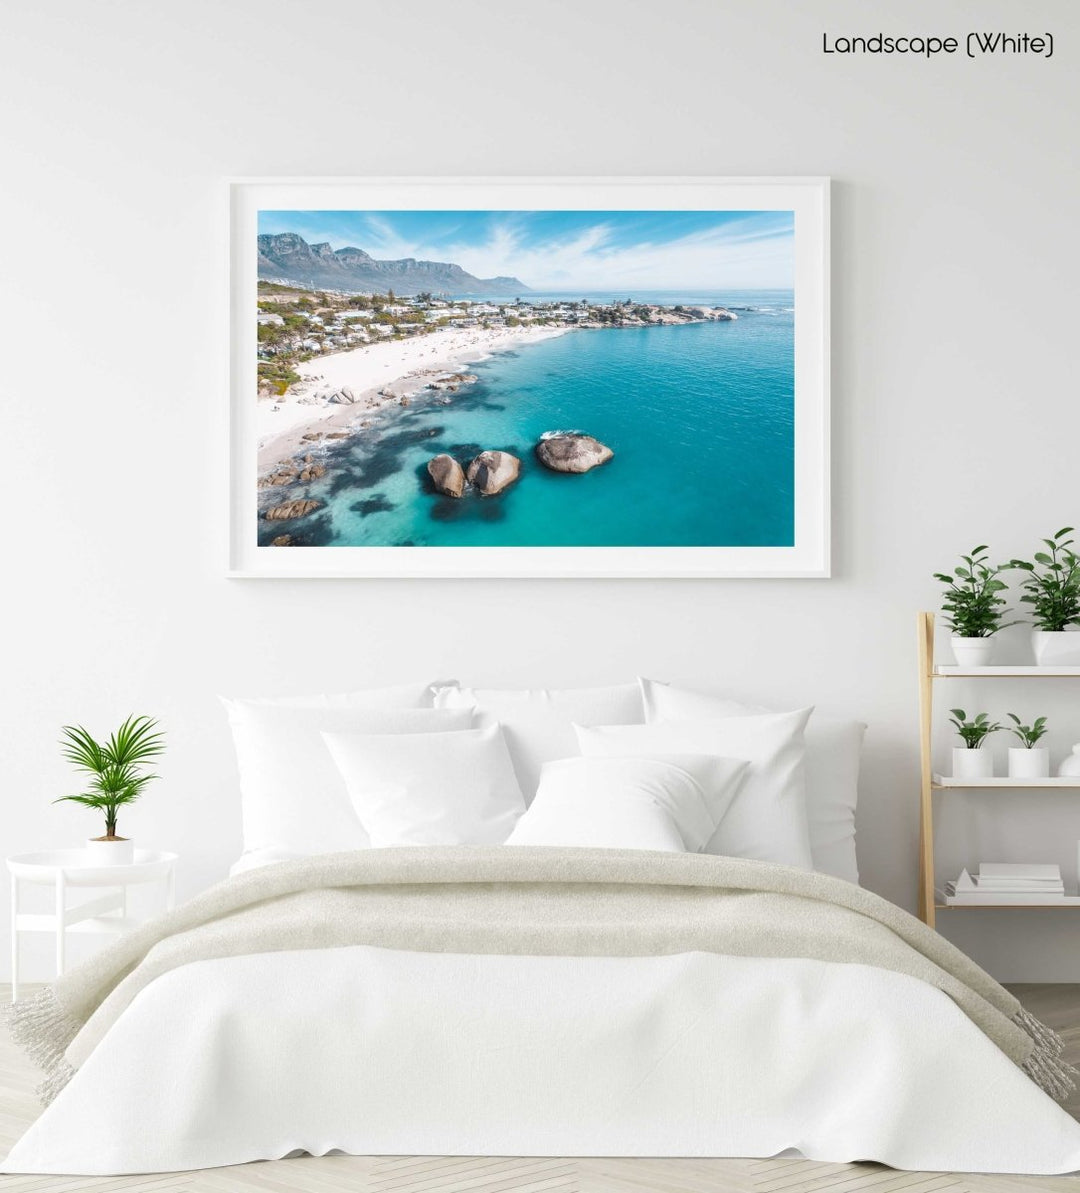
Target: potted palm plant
<point>974,607</point>
<point>1029,760</point>
<point>970,761</point>
<point>117,778</point>
<point>1052,589</point>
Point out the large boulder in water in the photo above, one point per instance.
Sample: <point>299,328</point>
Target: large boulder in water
<point>299,508</point>
<point>572,452</point>
<point>447,475</point>
<point>491,472</point>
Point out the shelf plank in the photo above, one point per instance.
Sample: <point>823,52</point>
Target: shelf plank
<point>1061,902</point>
<point>950,671</point>
<point>942,782</point>
<point>1074,905</point>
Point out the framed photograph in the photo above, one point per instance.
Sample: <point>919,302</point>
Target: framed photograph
<point>529,377</point>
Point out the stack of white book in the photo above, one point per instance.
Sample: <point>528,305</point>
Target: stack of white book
<point>1007,882</point>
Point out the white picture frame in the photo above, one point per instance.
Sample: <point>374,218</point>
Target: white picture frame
<point>806,197</point>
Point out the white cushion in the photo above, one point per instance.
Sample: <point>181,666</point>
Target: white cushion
<point>833,752</point>
<point>539,722</point>
<point>767,818</point>
<point>672,803</point>
<point>404,695</point>
<point>430,788</point>
<point>292,796</point>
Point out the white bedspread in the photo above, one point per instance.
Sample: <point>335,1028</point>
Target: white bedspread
<point>375,1051</point>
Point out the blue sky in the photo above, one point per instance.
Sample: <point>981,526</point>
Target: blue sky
<point>572,250</point>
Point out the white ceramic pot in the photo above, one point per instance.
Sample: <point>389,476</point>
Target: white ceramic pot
<point>972,652</point>
<point>1029,764</point>
<point>1056,648</point>
<point>1070,764</point>
<point>972,764</point>
<point>117,852</point>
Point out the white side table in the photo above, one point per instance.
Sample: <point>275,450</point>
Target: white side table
<point>63,869</point>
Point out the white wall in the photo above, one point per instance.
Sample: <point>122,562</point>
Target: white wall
<point>956,414</point>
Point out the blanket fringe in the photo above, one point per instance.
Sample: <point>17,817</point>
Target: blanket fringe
<point>48,1089</point>
<point>1046,1065</point>
<point>43,1030</point>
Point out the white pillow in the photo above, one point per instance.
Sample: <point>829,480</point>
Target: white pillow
<point>833,751</point>
<point>672,803</point>
<point>404,695</point>
<point>292,796</point>
<point>767,818</point>
<point>539,722</point>
<point>430,788</point>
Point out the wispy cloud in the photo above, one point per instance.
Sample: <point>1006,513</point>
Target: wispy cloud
<point>729,256</point>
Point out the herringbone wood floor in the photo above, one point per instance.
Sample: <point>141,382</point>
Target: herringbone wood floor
<point>1057,1005</point>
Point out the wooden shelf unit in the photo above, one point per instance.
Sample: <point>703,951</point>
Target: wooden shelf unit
<point>929,672</point>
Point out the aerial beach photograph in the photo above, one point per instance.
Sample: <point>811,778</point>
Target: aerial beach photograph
<point>525,378</point>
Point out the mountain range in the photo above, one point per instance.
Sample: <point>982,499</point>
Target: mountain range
<point>288,257</point>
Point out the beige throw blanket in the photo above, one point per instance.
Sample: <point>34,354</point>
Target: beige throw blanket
<point>526,901</point>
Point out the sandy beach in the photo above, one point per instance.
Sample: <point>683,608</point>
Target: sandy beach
<point>379,376</point>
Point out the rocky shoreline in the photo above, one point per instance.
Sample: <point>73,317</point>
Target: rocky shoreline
<point>345,413</point>
<point>343,395</point>
<point>352,415</point>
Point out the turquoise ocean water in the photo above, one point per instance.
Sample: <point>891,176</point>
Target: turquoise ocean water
<point>700,418</point>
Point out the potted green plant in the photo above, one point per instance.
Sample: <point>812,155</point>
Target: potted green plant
<point>973,606</point>
<point>970,761</point>
<point>1029,760</point>
<point>1052,589</point>
<point>117,778</point>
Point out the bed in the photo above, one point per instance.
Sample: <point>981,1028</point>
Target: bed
<point>608,966</point>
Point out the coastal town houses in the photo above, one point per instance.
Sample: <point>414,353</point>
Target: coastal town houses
<point>295,324</point>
